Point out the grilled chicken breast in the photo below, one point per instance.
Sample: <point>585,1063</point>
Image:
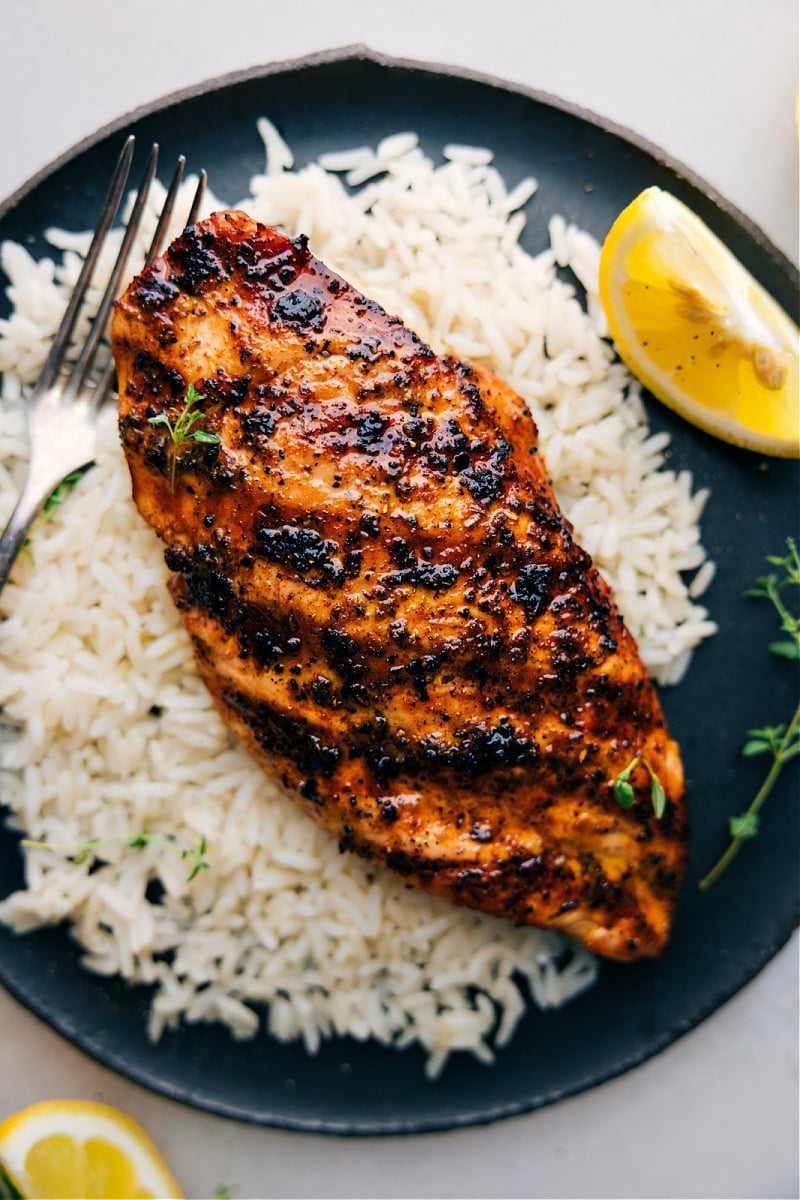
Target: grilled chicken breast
<point>384,599</point>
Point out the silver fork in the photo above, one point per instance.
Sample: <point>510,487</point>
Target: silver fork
<point>63,407</point>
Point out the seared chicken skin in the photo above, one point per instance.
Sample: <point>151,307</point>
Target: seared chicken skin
<point>384,599</point>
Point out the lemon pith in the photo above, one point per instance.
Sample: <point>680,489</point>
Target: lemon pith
<point>697,329</point>
<point>76,1148</point>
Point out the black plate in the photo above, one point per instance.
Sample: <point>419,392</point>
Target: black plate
<point>588,171</point>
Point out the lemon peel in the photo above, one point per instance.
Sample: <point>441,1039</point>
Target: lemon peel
<point>67,1149</point>
<point>699,331</point>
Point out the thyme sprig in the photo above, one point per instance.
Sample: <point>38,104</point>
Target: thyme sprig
<point>79,852</point>
<point>781,742</point>
<point>180,425</point>
<point>9,1186</point>
<point>60,492</point>
<point>623,790</point>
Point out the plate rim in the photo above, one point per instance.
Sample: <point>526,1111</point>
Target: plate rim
<point>359,52</point>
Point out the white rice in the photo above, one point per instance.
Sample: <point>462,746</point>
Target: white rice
<point>91,642</point>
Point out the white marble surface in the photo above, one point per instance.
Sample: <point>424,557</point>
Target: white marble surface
<point>714,83</point>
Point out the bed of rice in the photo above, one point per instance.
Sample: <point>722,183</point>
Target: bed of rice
<point>109,731</point>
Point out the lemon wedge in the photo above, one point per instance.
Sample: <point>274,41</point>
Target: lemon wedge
<point>69,1149</point>
<point>699,331</point>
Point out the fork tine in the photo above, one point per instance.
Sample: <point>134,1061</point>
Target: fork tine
<point>166,211</point>
<point>198,199</point>
<point>107,213</point>
<point>106,381</point>
<point>62,414</point>
<point>84,363</point>
<point>105,384</point>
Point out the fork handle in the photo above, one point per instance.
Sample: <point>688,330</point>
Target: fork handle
<point>13,537</point>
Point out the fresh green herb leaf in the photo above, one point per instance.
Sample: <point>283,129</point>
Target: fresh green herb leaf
<point>785,650</point>
<point>199,859</point>
<point>752,748</point>
<point>624,793</point>
<point>781,742</point>
<point>180,424</point>
<point>62,490</point>
<point>658,796</point>
<point>744,826</point>
<point>56,498</point>
<point>79,852</point>
<point>768,740</point>
<point>222,1192</point>
<point>627,771</point>
<point>768,733</point>
<point>9,1186</point>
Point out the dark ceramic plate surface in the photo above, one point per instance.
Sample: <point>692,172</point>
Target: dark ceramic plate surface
<point>588,171</point>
